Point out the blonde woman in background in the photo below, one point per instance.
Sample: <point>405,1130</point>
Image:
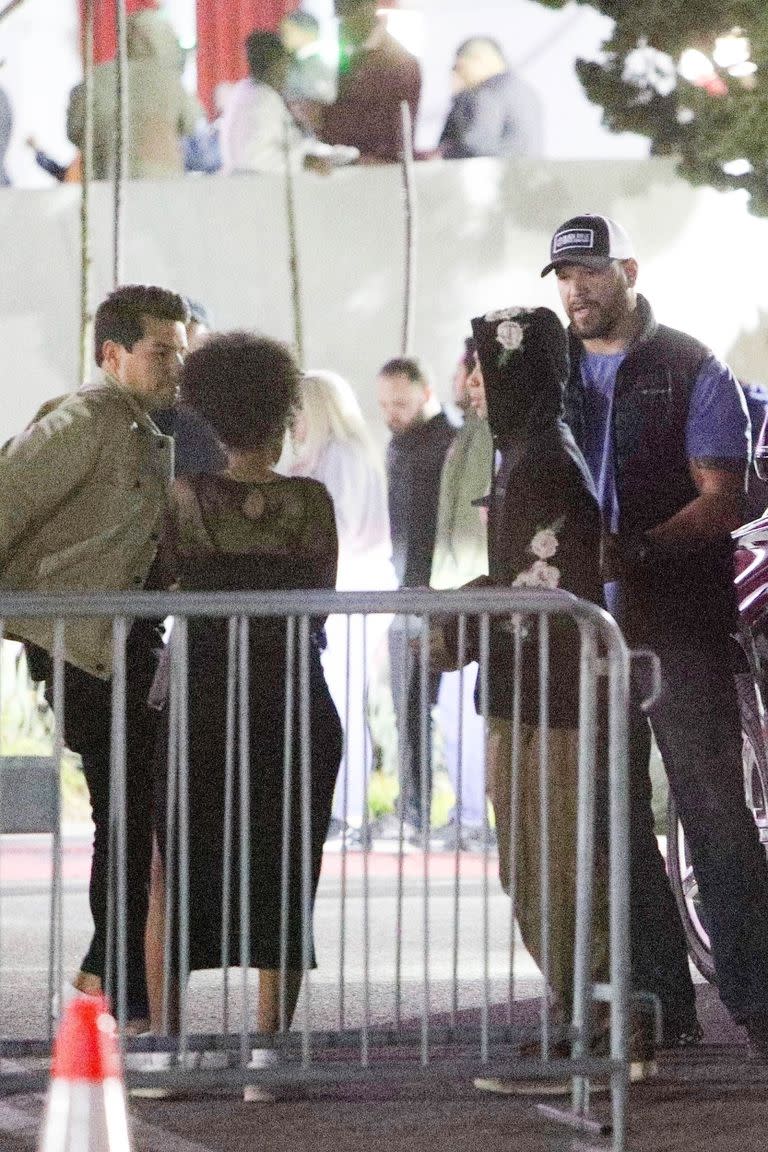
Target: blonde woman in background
<point>330,442</point>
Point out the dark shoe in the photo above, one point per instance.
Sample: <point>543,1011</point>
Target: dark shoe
<point>558,1050</point>
<point>477,836</point>
<point>387,827</point>
<point>335,829</point>
<point>357,839</point>
<point>449,837</point>
<point>757,1039</point>
<point>642,1046</point>
<point>688,1034</point>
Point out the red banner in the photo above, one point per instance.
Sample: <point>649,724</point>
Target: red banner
<point>104,21</point>
<point>222,26</point>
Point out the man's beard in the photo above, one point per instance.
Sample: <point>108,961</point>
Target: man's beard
<point>599,325</point>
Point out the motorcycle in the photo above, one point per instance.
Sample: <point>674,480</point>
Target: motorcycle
<point>751,672</point>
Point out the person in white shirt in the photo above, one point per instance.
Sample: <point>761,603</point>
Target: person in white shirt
<point>256,122</point>
<point>330,442</point>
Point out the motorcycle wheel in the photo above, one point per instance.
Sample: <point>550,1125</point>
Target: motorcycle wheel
<point>681,874</point>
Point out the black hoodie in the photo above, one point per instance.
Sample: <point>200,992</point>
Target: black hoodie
<point>544,520</point>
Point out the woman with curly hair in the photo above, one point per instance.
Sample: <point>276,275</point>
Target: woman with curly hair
<point>244,529</point>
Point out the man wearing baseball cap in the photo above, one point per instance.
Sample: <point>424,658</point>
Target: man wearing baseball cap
<point>665,432</point>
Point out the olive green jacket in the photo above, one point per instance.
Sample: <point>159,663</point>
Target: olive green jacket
<point>82,496</point>
<point>461,540</point>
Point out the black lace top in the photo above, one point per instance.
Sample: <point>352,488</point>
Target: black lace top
<point>225,534</point>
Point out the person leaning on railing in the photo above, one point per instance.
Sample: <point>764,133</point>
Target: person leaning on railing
<point>244,529</point>
<point>82,493</point>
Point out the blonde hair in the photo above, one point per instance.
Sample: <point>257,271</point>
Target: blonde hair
<point>331,412</point>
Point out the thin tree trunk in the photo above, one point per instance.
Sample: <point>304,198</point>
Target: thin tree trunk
<point>86,258</point>
<point>14,4</point>
<point>409,295</point>
<point>121,143</point>
<point>293,244</point>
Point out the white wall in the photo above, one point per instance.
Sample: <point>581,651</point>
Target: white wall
<point>484,229</point>
<point>39,44</point>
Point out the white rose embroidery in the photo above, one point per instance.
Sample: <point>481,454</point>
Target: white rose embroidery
<point>539,575</point>
<point>509,335</point>
<point>503,314</point>
<point>524,580</point>
<point>547,575</point>
<point>544,544</point>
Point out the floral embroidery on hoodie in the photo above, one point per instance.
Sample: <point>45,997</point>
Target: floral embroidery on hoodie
<point>544,546</point>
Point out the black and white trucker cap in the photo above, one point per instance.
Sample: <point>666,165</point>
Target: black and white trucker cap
<point>590,240</point>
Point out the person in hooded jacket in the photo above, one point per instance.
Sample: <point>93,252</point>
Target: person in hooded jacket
<point>543,533</point>
<point>160,110</point>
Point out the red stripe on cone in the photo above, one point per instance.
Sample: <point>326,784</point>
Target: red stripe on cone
<point>86,1044</point>
<point>85,1110</point>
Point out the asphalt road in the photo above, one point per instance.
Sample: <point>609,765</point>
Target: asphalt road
<point>711,1099</point>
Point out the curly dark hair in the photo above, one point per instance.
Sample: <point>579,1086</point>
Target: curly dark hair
<point>245,385</point>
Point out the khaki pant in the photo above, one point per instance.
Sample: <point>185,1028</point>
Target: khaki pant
<point>563,798</point>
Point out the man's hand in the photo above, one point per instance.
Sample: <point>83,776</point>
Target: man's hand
<point>712,515</point>
<point>621,557</point>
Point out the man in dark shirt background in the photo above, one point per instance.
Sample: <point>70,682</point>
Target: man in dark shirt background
<point>375,75</point>
<point>494,112</point>
<point>196,448</point>
<point>421,435</point>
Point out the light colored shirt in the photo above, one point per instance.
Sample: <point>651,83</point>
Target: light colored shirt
<point>253,131</point>
<point>358,491</point>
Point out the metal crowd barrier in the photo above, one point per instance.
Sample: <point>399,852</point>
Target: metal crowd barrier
<point>341,1030</point>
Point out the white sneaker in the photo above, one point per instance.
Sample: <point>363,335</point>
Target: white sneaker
<point>262,1093</point>
<point>149,1062</point>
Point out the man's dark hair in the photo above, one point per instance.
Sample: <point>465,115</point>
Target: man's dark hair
<point>263,50</point>
<point>120,317</point>
<point>407,366</point>
<point>481,42</point>
<point>246,386</point>
<point>304,20</point>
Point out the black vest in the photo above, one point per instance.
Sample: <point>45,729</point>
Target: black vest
<point>650,412</point>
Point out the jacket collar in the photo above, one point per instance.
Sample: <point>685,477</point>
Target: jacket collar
<point>108,384</point>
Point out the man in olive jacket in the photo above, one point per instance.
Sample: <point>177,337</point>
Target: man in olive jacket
<point>82,496</point>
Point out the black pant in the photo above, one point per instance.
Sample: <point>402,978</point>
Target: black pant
<point>697,727</point>
<point>659,950</point>
<point>405,679</point>
<point>87,731</point>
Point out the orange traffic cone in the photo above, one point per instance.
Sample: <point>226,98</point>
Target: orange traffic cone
<point>86,1111</point>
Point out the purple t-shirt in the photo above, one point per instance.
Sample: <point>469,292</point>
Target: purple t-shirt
<point>718,425</point>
